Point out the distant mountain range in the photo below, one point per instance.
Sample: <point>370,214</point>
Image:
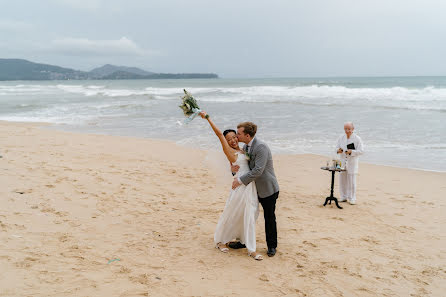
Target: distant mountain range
<point>18,69</point>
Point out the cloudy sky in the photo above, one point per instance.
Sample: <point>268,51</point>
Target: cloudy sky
<point>243,38</point>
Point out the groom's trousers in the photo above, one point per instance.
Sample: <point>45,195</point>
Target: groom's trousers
<point>269,208</point>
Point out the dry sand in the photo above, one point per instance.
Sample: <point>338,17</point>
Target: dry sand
<point>70,203</point>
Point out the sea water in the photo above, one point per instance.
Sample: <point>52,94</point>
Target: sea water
<point>401,120</point>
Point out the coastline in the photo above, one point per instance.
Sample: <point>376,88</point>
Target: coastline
<point>59,127</point>
<point>72,202</point>
<point>149,109</point>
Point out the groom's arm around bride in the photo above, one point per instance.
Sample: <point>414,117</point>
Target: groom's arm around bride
<point>262,172</point>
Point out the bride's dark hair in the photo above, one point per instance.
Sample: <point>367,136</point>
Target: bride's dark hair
<point>228,131</point>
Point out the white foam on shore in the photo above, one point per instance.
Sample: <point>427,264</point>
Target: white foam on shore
<point>133,108</point>
<point>427,98</point>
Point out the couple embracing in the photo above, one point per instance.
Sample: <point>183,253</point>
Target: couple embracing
<point>254,182</point>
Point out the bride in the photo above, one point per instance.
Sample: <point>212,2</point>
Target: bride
<point>239,216</point>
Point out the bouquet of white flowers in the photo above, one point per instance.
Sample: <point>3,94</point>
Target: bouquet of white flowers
<point>190,107</point>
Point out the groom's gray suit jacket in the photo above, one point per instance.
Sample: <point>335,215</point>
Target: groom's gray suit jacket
<point>262,170</point>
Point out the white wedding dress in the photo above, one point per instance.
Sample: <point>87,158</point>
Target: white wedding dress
<point>238,220</point>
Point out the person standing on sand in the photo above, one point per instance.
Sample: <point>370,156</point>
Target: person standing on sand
<point>261,171</point>
<point>241,211</point>
<point>350,147</point>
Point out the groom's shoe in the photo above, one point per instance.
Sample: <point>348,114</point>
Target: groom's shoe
<point>236,245</point>
<point>271,252</point>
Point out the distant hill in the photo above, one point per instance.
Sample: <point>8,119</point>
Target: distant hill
<point>18,69</point>
<point>110,69</point>
<point>122,75</point>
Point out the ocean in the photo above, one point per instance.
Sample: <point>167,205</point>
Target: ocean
<point>401,120</point>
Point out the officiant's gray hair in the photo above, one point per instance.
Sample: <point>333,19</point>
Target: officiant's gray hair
<point>349,123</point>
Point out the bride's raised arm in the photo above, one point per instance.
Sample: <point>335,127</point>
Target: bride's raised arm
<point>229,151</point>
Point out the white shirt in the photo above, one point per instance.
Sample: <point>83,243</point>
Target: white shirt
<point>250,145</point>
<point>249,150</point>
<point>350,161</point>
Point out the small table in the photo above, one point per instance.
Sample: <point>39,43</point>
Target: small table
<point>331,197</point>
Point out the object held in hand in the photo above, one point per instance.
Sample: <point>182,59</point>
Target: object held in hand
<point>204,115</point>
<point>190,107</point>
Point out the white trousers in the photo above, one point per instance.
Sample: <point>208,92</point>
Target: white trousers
<point>347,186</point>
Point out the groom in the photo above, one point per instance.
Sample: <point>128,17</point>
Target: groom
<point>262,172</point>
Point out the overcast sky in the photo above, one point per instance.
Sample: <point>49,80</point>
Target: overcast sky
<point>243,38</point>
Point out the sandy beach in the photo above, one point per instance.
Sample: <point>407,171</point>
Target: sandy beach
<point>95,215</point>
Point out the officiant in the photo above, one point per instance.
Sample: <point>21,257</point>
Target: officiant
<point>349,147</point>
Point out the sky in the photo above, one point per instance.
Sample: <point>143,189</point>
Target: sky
<point>235,39</point>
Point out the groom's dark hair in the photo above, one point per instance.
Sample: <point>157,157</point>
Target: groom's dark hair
<point>249,128</point>
<point>229,131</point>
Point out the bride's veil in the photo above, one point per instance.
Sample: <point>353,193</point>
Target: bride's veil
<point>219,166</point>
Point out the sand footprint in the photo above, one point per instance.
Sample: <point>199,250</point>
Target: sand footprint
<point>143,279</point>
<point>309,243</point>
<point>263,277</point>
